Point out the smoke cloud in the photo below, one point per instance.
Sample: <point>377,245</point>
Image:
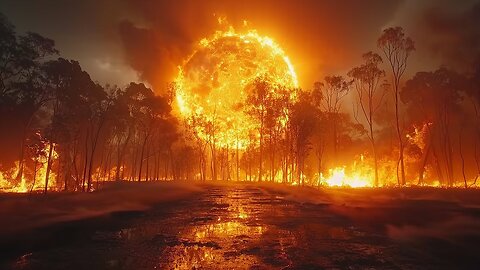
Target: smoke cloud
<point>319,30</point>
<point>117,40</point>
<point>454,35</point>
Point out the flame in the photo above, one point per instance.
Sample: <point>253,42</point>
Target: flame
<point>7,178</point>
<point>359,174</point>
<point>339,178</point>
<point>214,81</point>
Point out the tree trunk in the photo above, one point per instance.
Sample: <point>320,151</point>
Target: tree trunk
<point>401,180</point>
<point>372,140</point>
<point>49,164</point>
<point>92,154</point>
<point>121,154</point>
<point>141,157</point>
<point>260,171</point>
<point>335,141</point>
<point>147,176</point>
<point>213,162</point>
<point>21,160</point>
<point>34,174</point>
<point>85,165</point>
<point>462,158</point>
<point>421,171</point>
<point>237,161</point>
<point>174,173</point>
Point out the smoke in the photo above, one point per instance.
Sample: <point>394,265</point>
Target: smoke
<point>137,42</point>
<point>156,50</point>
<point>320,37</point>
<point>451,34</point>
<point>166,32</point>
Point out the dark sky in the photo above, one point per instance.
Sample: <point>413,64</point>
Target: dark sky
<point>125,40</point>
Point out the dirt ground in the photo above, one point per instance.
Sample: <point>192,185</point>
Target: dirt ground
<point>241,226</point>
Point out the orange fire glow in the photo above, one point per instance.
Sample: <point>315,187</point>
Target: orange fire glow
<point>339,178</point>
<point>214,82</point>
<point>32,179</point>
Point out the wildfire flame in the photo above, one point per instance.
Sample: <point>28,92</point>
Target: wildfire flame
<point>339,178</point>
<point>32,178</point>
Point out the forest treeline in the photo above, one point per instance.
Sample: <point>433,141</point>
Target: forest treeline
<point>399,130</point>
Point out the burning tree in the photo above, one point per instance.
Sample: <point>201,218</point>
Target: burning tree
<point>244,115</point>
<point>435,97</point>
<point>78,108</point>
<point>22,91</point>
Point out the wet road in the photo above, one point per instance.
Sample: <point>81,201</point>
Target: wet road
<point>232,227</point>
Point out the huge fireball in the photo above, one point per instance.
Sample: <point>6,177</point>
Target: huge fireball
<point>213,83</point>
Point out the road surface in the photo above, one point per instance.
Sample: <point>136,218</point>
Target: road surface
<point>227,227</point>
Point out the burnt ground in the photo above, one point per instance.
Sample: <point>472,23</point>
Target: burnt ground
<point>243,226</point>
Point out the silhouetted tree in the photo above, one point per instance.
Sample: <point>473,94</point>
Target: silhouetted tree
<point>334,89</point>
<point>303,120</point>
<point>433,97</point>
<point>256,107</point>
<point>78,106</point>
<point>396,49</point>
<point>22,93</point>
<point>367,79</point>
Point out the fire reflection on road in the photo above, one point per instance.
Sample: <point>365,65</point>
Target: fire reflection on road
<point>224,240</point>
<point>228,227</point>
